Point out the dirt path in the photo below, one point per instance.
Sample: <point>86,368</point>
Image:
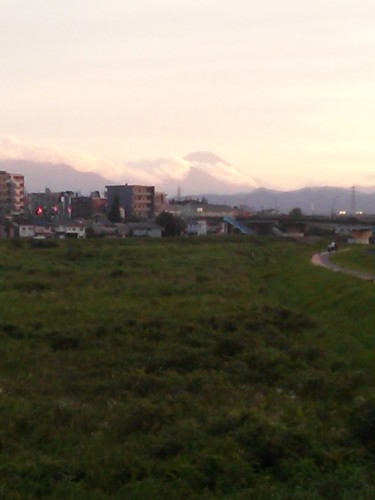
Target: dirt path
<point>323,259</point>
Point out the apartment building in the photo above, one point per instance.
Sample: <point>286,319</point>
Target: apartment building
<point>45,203</point>
<point>135,200</point>
<point>12,193</point>
<point>3,193</point>
<point>85,207</point>
<point>160,202</point>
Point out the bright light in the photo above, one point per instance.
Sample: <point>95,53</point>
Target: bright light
<point>342,212</point>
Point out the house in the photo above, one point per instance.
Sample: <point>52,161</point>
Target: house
<point>197,227</point>
<point>44,228</point>
<point>143,229</point>
<point>104,228</point>
<point>26,230</point>
<point>73,230</point>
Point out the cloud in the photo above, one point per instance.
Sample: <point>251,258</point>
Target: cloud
<point>224,172</point>
<point>13,149</point>
<point>157,171</point>
<point>221,170</point>
<point>146,171</point>
<point>160,169</point>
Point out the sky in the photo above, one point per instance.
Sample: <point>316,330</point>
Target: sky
<point>283,91</point>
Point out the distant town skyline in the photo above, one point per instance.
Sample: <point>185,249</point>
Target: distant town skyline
<point>282,92</point>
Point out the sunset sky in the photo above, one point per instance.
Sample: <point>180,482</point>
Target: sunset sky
<point>282,90</point>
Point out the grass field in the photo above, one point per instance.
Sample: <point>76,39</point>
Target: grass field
<point>199,368</point>
<point>358,257</point>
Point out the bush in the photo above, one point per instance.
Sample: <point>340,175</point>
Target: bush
<point>16,243</point>
<point>362,422</point>
<point>65,342</point>
<point>47,243</point>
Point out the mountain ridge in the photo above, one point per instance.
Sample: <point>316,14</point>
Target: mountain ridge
<point>311,200</point>
<point>319,200</point>
<point>55,176</point>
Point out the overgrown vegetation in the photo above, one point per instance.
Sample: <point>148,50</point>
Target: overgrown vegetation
<point>188,368</point>
<point>172,225</point>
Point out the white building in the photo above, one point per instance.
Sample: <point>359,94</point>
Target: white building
<point>26,231</point>
<point>72,230</point>
<point>197,227</point>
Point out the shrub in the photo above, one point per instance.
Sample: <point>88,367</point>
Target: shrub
<point>65,342</point>
<point>15,243</point>
<point>362,422</point>
<point>117,273</point>
<point>47,243</point>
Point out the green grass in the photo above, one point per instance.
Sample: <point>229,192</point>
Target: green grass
<point>200,368</point>
<point>361,258</point>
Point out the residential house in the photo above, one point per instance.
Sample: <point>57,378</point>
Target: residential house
<point>197,228</point>
<point>143,229</point>
<point>26,230</point>
<point>73,230</point>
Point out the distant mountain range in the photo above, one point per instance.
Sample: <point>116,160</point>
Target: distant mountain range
<point>317,200</point>
<point>205,169</point>
<point>208,169</point>
<point>57,177</point>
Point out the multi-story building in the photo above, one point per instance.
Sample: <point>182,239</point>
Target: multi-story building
<point>55,205</point>
<point>138,201</point>
<point>46,203</point>
<point>3,193</point>
<point>85,207</point>
<point>12,193</point>
<point>160,202</point>
<point>81,207</point>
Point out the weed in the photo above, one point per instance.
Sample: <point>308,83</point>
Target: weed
<point>215,368</point>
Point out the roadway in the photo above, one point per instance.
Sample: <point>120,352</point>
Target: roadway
<point>323,259</point>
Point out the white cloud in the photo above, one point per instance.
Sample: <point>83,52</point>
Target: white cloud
<point>13,149</point>
<point>150,171</point>
<point>161,168</point>
<point>224,172</point>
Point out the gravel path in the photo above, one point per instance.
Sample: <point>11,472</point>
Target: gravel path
<point>323,259</point>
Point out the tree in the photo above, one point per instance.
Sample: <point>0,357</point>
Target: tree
<point>296,213</point>
<point>132,218</point>
<point>114,214</point>
<point>90,232</point>
<point>171,224</point>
